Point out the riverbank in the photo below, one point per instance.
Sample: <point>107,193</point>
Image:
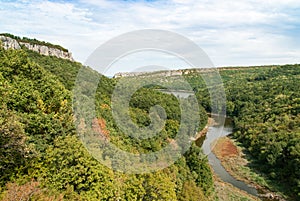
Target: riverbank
<point>227,192</point>
<point>233,160</point>
<point>202,133</point>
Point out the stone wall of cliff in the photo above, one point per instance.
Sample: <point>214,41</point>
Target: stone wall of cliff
<point>167,73</point>
<point>8,43</point>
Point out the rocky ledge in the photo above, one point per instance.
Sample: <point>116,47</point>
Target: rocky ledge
<point>10,43</point>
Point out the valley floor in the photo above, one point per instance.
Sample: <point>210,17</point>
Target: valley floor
<point>227,192</point>
<point>233,160</point>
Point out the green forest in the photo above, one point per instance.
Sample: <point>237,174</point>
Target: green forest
<point>43,158</point>
<point>264,103</point>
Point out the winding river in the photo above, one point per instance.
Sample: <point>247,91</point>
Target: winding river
<point>214,132</point>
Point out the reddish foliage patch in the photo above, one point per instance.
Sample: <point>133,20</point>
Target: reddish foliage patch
<point>28,191</point>
<point>99,125</point>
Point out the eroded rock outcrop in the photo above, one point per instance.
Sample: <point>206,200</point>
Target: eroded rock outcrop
<point>8,43</point>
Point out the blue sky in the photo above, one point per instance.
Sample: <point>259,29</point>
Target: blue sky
<point>232,33</point>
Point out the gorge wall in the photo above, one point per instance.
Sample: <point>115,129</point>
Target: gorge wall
<point>170,73</point>
<point>167,73</point>
<point>10,43</point>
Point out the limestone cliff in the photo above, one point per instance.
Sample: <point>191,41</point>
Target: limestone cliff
<point>167,73</point>
<point>170,73</point>
<point>8,43</point>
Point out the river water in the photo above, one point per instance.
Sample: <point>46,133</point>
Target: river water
<point>214,132</point>
<point>178,93</point>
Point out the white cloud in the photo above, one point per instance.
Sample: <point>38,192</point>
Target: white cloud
<point>245,32</point>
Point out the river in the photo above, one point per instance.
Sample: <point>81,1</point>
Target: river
<point>214,132</point>
<point>178,93</point>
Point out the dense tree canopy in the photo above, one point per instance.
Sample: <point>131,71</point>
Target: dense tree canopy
<point>43,159</point>
<point>264,104</point>
<point>41,156</point>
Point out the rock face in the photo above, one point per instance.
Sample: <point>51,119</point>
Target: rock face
<point>168,73</point>
<point>8,43</point>
<point>155,73</point>
<point>48,51</point>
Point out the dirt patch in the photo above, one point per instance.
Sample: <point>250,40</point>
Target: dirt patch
<point>226,148</point>
<point>232,159</point>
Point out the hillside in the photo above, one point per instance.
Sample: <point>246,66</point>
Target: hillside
<point>263,102</point>
<point>42,157</point>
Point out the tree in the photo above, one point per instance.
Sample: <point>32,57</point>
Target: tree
<point>67,164</point>
<point>159,186</point>
<point>13,148</point>
<point>191,192</point>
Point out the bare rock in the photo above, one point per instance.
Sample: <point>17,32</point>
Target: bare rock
<point>9,43</point>
<point>48,51</point>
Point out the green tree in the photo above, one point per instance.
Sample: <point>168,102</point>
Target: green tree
<point>13,148</point>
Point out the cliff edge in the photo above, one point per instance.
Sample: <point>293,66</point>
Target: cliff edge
<point>43,48</point>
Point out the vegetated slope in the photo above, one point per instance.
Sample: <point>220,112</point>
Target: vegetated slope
<point>265,105</point>
<point>42,158</point>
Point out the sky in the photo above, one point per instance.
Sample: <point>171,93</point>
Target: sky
<point>231,32</point>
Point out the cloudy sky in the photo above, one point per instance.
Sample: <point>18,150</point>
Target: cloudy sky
<point>231,32</point>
